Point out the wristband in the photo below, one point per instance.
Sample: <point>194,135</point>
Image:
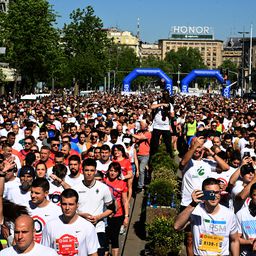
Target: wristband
<point>214,155</point>
<point>126,216</point>
<point>193,204</point>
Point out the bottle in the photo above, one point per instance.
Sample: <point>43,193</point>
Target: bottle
<point>148,200</point>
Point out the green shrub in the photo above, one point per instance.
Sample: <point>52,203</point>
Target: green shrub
<point>163,160</point>
<point>163,239</point>
<point>162,192</point>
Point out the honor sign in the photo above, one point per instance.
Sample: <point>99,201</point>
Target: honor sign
<point>192,32</point>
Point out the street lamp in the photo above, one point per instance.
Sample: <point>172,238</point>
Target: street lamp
<point>178,81</point>
<point>243,61</point>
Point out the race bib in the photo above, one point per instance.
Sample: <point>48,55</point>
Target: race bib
<point>67,245</point>
<point>211,243</point>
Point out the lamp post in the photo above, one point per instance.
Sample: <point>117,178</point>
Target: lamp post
<point>243,61</point>
<point>178,81</point>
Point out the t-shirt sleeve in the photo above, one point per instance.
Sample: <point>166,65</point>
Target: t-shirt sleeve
<point>46,238</point>
<point>107,196</point>
<point>233,224</point>
<point>92,242</point>
<point>237,189</point>
<point>238,220</point>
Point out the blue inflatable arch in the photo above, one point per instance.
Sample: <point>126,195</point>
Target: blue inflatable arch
<point>205,73</point>
<point>147,72</point>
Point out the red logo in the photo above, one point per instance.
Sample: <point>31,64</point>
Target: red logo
<point>67,245</point>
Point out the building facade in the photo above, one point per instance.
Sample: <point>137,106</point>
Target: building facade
<point>123,38</point>
<point>211,50</point>
<point>150,50</point>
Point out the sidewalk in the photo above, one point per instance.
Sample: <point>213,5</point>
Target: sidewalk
<point>134,242</point>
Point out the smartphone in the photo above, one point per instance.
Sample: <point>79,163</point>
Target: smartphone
<point>208,195</point>
<point>247,154</point>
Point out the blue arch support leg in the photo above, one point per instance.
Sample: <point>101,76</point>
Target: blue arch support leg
<point>226,91</point>
<point>147,72</point>
<point>205,73</point>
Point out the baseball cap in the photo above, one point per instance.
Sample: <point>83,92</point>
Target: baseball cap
<point>27,170</point>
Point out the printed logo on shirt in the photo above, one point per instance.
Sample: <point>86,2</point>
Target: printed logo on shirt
<point>200,171</point>
<point>39,225</point>
<point>216,226</point>
<point>55,197</point>
<point>67,245</point>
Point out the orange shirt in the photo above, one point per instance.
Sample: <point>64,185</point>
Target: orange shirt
<point>144,146</point>
<point>117,187</point>
<point>126,165</point>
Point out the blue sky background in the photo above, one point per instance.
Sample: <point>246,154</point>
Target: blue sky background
<point>227,17</point>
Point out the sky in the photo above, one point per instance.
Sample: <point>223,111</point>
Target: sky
<point>226,17</point>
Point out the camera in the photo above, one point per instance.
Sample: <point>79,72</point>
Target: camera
<point>208,195</point>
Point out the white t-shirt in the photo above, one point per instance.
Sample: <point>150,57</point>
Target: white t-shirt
<point>54,193</point>
<point>246,227</point>
<point>238,204</point>
<point>73,181</point>
<point>76,239</point>
<point>9,185</point>
<point>92,200</point>
<point>102,167</point>
<point>208,228</point>
<point>42,215</point>
<point>158,122</point>
<point>38,250</point>
<point>242,143</point>
<point>198,171</point>
<point>18,196</point>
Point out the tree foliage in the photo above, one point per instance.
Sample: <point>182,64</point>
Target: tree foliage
<point>86,46</point>
<point>230,66</point>
<point>31,40</point>
<point>188,58</point>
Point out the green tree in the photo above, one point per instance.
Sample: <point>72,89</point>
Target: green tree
<point>189,58</point>
<point>86,46</point>
<point>30,39</point>
<point>232,69</point>
<point>2,76</point>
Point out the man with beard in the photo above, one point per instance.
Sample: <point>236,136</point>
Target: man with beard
<point>75,177</point>
<point>21,194</point>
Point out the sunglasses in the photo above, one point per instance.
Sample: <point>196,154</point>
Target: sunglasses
<point>27,143</point>
<point>56,145</point>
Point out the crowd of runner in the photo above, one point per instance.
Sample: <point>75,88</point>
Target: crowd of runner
<point>69,167</point>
